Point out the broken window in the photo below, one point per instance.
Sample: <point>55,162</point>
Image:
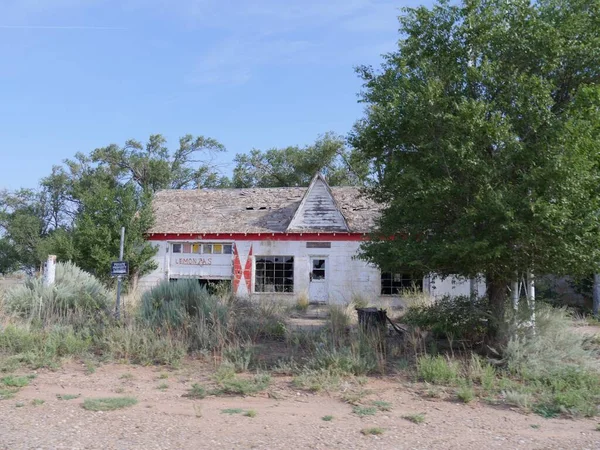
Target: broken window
<point>176,248</point>
<point>274,274</point>
<point>187,248</point>
<point>396,283</point>
<point>227,249</point>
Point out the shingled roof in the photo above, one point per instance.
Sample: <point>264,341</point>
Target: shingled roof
<point>256,210</point>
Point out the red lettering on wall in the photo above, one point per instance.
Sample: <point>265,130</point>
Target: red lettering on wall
<point>194,261</point>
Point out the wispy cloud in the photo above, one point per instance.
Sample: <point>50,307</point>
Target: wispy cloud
<point>235,59</point>
<point>277,33</point>
<point>245,36</point>
<point>57,27</point>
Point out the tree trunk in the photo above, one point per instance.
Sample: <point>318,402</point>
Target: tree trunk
<point>497,291</point>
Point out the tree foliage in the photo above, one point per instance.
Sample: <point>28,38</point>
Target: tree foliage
<point>79,209</point>
<point>296,166</point>
<point>484,127</point>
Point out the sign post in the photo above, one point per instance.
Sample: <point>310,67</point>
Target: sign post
<point>119,269</point>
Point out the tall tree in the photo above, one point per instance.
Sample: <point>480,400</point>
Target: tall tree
<point>153,167</point>
<point>296,166</point>
<point>485,124</point>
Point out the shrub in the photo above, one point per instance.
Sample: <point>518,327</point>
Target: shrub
<point>142,345</point>
<point>437,370</point>
<point>461,318</point>
<point>44,347</point>
<point>76,295</point>
<point>172,304</point>
<point>343,361</point>
<point>302,301</point>
<point>465,394</point>
<point>241,357</point>
<point>555,365</point>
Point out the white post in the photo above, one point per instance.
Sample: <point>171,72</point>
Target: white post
<point>514,288</point>
<point>531,299</point>
<point>50,272</point>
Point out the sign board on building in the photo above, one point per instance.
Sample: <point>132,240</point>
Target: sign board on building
<point>119,268</point>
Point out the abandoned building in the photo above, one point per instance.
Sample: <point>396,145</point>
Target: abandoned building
<point>277,242</point>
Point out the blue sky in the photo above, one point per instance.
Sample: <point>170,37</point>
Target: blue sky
<point>80,74</point>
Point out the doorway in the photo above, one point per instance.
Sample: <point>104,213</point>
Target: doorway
<point>317,289</point>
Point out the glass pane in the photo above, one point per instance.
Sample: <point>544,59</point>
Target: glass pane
<point>318,274</point>
<point>207,248</point>
<point>176,248</point>
<point>195,248</point>
<point>227,249</point>
<point>318,264</point>
<point>217,249</point>
<point>187,248</point>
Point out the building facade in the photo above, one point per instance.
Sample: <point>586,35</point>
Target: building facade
<point>278,243</point>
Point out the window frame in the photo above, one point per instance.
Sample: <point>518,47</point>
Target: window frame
<point>283,270</point>
<point>226,248</point>
<point>389,286</point>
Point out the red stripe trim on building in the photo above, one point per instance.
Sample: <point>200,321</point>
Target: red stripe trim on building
<point>258,236</point>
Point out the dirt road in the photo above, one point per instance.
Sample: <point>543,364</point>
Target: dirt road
<point>286,418</point>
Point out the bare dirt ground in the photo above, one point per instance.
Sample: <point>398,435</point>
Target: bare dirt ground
<point>286,417</point>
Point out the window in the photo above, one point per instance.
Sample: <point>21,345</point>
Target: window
<point>318,270</point>
<point>217,249</point>
<point>274,274</point>
<point>207,249</point>
<point>176,248</point>
<point>227,249</point>
<point>195,248</point>
<point>395,283</point>
<point>187,248</point>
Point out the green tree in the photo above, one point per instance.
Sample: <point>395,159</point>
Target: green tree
<point>104,209</point>
<point>296,166</point>
<point>152,166</point>
<point>484,126</point>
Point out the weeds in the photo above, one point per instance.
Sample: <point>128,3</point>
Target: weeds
<point>437,370</point>
<point>67,396</point>
<point>162,387</point>
<point>37,402</point>
<point>250,413</point>
<point>415,418</point>
<point>12,381</point>
<point>362,411</point>
<point>108,404</point>
<point>327,418</point>
<point>354,397</point>
<point>232,411</point>
<point>196,391</point>
<point>382,406</point>
<point>5,394</point>
<point>466,394</point>
<point>375,431</point>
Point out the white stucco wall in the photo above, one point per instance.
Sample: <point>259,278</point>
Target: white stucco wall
<point>347,277</point>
